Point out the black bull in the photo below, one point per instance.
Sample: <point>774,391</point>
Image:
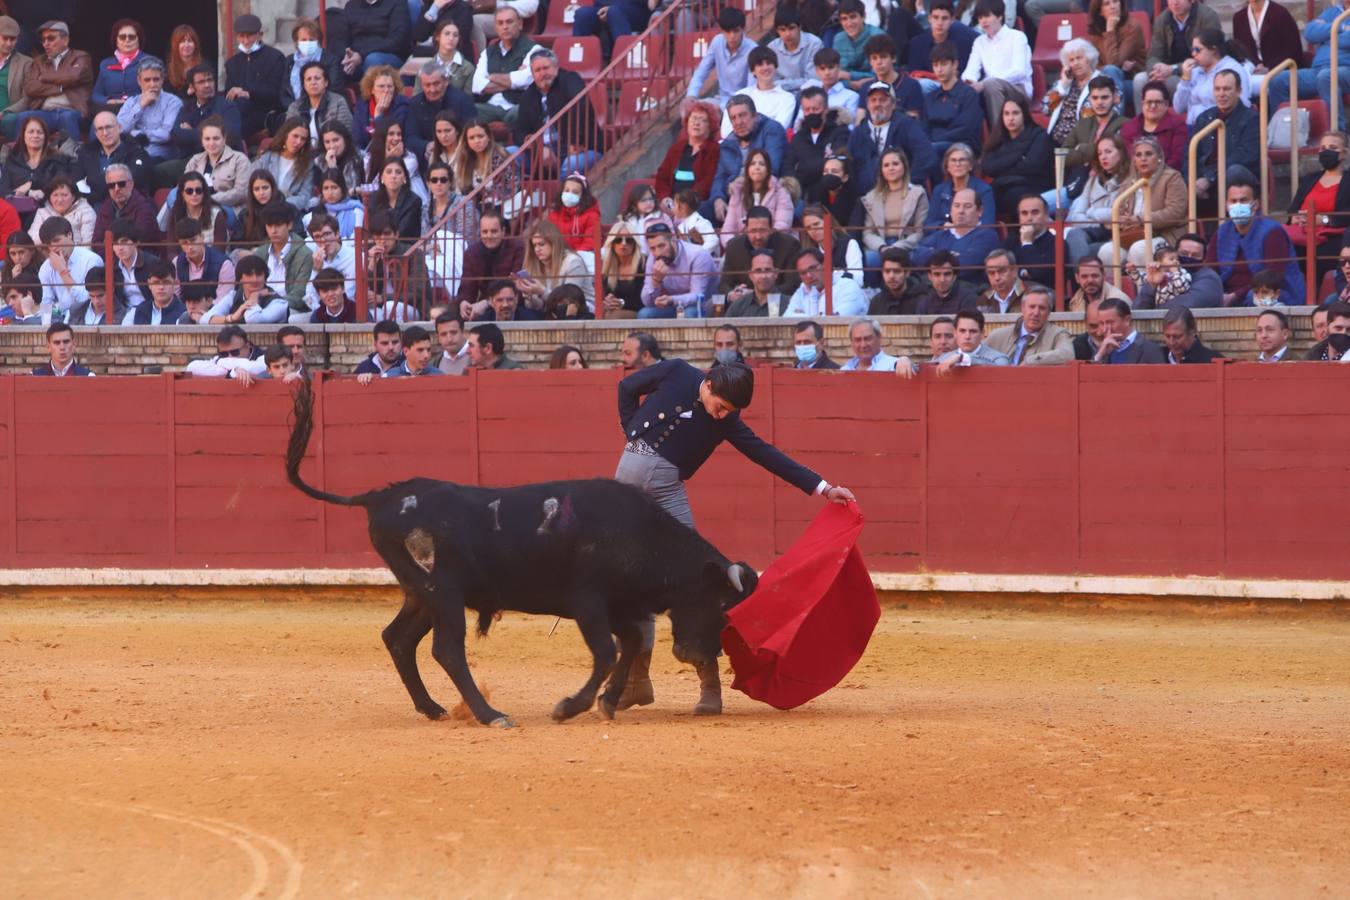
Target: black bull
<point>598,552</point>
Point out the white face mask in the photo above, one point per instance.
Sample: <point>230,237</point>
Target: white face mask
<point>307,49</point>
<point>247,50</point>
<point>570,199</point>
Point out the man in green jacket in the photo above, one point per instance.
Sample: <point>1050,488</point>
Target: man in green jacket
<point>289,262</point>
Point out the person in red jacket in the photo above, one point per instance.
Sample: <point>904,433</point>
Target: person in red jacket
<point>576,214</point>
<point>691,161</point>
<point>9,222</point>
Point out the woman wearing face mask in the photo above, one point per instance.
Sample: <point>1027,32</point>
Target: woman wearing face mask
<point>307,37</point>
<point>576,214</point>
<point>1329,191</point>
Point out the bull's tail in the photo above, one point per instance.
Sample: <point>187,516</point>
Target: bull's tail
<point>295,449</point>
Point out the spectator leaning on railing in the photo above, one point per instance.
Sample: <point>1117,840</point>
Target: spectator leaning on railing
<point>864,336</point>
<point>1033,340</point>
<point>808,346</point>
<point>970,347</point>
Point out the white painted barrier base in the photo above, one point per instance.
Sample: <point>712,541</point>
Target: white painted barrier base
<point>949,582</point>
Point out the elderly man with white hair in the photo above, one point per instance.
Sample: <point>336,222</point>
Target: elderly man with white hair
<point>864,336</point>
<point>150,116</point>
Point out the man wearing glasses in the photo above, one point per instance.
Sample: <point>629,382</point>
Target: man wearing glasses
<point>1173,33</point>
<point>60,81</point>
<point>125,202</point>
<point>106,149</point>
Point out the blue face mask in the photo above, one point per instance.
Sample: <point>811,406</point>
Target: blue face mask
<point>1240,213</point>
<point>725,357</point>
<point>806,353</point>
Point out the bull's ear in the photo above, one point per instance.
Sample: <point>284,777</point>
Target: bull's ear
<point>743,578</point>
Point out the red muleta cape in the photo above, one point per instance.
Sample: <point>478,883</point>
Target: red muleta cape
<point>810,619</point>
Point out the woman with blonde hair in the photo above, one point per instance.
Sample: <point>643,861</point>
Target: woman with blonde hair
<point>893,212</point>
<point>380,100</point>
<point>476,158</point>
<point>549,263</point>
<point>623,272</point>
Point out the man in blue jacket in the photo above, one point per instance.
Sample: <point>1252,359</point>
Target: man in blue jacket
<point>683,417</point>
<point>882,130</point>
<point>749,131</point>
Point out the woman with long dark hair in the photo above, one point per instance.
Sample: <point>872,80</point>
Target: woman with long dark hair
<point>32,162</point>
<point>395,197</point>
<point>338,151</point>
<point>288,161</point>
<point>1019,158</point>
<point>193,201</point>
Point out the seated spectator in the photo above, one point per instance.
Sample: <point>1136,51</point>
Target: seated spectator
<point>1033,340</point>
<point>94,311</point>
<point>1267,35</point>
<point>1320,326</point>
<point>566,301</point>
<point>1205,290</point>
<point>1242,136</point>
<point>117,75</point>
<point>691,161</point>
<point>901,290</point>
<point>846,257</point>
<point>59,82</point>
<point>728,55</point>
<point>1019,158</point>
<point>203,104</point>
<point>971,350</point>
<point>1068,98</point>
<point>1118,342</point>
<point>448,224</point>
<point>436,97</point>
<point>1182,340</point>
<point>107,148</point>
<point>639,350</point>
<point>261,193</point>
<point>388,144</point>
<point>882,130</point>
<point>761,297</point>
<point>453,52</point>
<point>338,151</point>
<point>290,264</point>
<point>577,214</point>
<point>444,140</point>
<point>477,158</point>
<point>436,14</point>
<point>131,265</point>
<point>192,200</point>
<point>397,291</point>
<point>1334,345</point>
<point>255,76</point>
<point>329,251</point>
<point>794,48</point>
<point>395,197</point>
<point>374,33</point>
<point>881,59</point>
<point>769,97</point>
<point>198,298</point>
<point>821,133</point>
<point>1248,242</point>
<point>317,104</point>
<point>386,354</point>
<point>851,43</point>
<point>1327,190</point>
<point>487,348</point>
<point>1165,275</point>
<point>1005,291</point>
<point>11,96</point>
<point>1157,120</point>
<point>64,202</point>
<point>574,143</point>
<point>125,202</point>
<point>808,346</point>
<point>756,187</point>
<point>680,277</point>
<point>847,297</point>
<point>893,212</point>
<point>954,112</point>
<point>288,161</point>
<point>416,355</point>
<point>1034,242</point>
<point>1166,196</point>
<point>835,191</point>
<point>549,264</point>
<point>1097,121</point>
<point>253,301</point>
<point>1210,54</point>
<point>749,131</point>
<point>1119,40</point>
<point>641,212</point>
<point>199,264</point>
<point>503,70</point>
<point>236,357</point>
<point>760,235</point>
<point>22,304</point>
<point>1174,35</point>
<point>454,358</point>
<point>965,239</point>
<point>61,353</point>
<point>691,226</point>
<point>958,164</point>
<point>32,162</point>
<point>622,266</point>
<point>1000,62</point>
<point>21,257</point>
<point>567,357</point>
<point>864,336</point>
<point>224,169</point>
<point>307,38</point>
<point>1272,337</point>
<point>62,275</point>
<point>1093,286</point>
<point>381,103</point>
<point>163,306</point>
<point>1089,218</point>
<point>1268,290</point>
<point>492,257</point>
<point>942,29</point>
<point>948,294</point>
<point>185,54</point>
<point>832,79</point>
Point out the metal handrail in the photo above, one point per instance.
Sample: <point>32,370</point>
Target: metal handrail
<point>1126,194</point>
<point>1335,53</point>
<point>1222,187</point>
<point>1292,66</point>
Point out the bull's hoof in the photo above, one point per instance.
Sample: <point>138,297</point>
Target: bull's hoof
<point>568,707</point>
<point>433,712</point>
<point>502,722</point>
<point>708,706</point>
<point>607,708</point>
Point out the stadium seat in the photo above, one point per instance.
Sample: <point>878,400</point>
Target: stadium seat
<point>1328,287</point>
<point>580,55</point>
<point>599,94</point>
<point>635,98</point>
<point>1145,23</point>
<point>559,21</point>
<point>160,196</point>
<point>638,58</point>
<point>1319,121</point>
<point>1056,30</point>
<point>689,51</point>
<point>1038,90</point>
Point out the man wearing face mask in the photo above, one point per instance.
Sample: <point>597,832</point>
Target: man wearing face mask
<point>1206,290</point>
<point>819,132</point>
<point>808,346</point>
<point>1337,341</point>
<point>255,76</point>
<point>727,347</point>
<point>1249,242</point>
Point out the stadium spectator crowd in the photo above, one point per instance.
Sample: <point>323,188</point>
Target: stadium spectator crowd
<point>863,158</point>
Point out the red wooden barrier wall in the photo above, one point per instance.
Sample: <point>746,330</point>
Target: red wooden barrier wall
<point>1234,471</point>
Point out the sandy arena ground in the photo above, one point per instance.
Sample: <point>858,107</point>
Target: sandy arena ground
<point>242,748</point>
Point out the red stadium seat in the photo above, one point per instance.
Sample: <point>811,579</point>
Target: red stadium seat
<point>1319,122</point>
<point>580,55</point>
<point>638,58</point>
<point>1328,287</point>
<point>559,22</point>
<point>1038,92</point>
<point>1145,23</point>
<point>635,98</point>
<point>1056,30</point>
<point>160,196</point>
<point>689,51</point>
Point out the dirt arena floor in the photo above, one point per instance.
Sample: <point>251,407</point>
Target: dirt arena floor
<point>242,747</point>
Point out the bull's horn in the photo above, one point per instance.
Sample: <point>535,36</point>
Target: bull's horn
<point>734,576</point>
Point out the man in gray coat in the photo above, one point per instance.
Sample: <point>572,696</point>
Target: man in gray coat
<point>1033,340</point>
<point>970,347</point>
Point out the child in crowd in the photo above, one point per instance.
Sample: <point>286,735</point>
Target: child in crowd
<point>691,226</point>
<point>1165,273</point>
<point>1268,290</point>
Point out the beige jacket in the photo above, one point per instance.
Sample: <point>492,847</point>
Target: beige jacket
<point>1051,347</point>
<point>15,101</point>
<point>912,213</point>
<point>229,178</point>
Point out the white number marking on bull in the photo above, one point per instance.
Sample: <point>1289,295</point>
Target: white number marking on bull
<point>409,502</point>
<point>550,513</point>
<point>495,506</point>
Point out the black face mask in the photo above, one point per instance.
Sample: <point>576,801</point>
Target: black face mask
<point>831,182</point>
<point>815,121</point>
<point>1339,342</point>
<point>1190,263</point>
<point>1330,159</point>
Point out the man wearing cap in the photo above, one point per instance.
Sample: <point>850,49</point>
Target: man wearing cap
<point>882,130</point>
<point>13,69</point>
<point>255,76</point>
<point>60,81</point>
